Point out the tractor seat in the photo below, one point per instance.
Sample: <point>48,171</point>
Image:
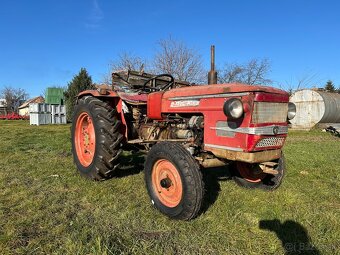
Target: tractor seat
<point>133,98</point>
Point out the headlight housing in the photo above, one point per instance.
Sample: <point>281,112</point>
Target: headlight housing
<point>233,108</point>
<point>291,111</point>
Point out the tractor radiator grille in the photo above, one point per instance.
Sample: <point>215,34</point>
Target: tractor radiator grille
<point>270,142</point>
<point>266,112</point>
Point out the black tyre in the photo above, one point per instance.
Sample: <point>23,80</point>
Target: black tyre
<point>96,138</point>
<point>174,181</point>
<point>250,175</point>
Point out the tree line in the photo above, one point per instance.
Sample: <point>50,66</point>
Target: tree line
<point>171,56</point>
<point>186,64</point>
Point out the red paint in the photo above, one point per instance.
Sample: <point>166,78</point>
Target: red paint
<point>159,105</point>
<point>220,89</point>
<point>154,105</point>
<point>212,110</point>
<point>85,139</point>
<point>95,93</point>
<point>269,97</point>
<point>170,195</point>
<point>116,102</point>
<point>248,173</point>
<point>133,97</point>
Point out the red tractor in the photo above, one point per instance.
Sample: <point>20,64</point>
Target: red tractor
<point>183,128</point>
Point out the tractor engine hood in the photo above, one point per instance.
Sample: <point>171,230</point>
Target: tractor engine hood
<point>199,90</point>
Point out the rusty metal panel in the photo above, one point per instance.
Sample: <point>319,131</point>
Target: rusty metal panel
<point>250,157</point>
<point>267,112</point>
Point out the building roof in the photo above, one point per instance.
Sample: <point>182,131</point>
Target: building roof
<point>38,99</point>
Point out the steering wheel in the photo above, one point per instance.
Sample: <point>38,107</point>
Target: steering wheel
<point>166,86</point>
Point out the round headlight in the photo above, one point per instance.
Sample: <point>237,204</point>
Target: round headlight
<point>233,108</point>
<point>291,110</point>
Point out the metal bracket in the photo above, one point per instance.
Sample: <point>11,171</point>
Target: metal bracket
<point>268,167</point>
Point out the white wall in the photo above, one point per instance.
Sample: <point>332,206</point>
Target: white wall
<point>23,111</point>
<point>2,102</point>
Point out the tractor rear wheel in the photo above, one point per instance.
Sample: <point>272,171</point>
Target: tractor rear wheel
<point>250,175</point>
<point>96,138</point>
<point>174,181</point>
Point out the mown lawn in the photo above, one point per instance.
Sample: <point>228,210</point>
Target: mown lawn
<point>47,208</point>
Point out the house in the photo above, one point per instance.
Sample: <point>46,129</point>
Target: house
<point>3,107</point>
<point>24,108</point>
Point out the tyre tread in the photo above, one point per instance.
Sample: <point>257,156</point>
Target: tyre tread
<point>190,172</point>
<point>108,137</point>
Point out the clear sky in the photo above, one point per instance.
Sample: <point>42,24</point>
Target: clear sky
<point>46,42</point>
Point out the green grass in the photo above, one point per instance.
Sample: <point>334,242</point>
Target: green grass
<point>47,208</point>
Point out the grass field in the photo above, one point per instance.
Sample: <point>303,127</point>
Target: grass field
<point>47,208</point>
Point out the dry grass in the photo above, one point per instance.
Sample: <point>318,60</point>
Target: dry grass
<point>47,208</point>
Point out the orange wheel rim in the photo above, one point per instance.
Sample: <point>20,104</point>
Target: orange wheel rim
<point>85,139</point>
<point>167,183</point>
<point>249,172</point>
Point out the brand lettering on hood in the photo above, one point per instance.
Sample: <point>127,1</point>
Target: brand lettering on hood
<point>184,103</point>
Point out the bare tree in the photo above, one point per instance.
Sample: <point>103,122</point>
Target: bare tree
<point>175,58</point>
<point>128,61</point>
<point>14,97</point>
<point>172,57</point>
<point>306,80</point>
<point>253,72</point>
<point>125,61</point>
<point>230,73</point>
<point>303,81</point>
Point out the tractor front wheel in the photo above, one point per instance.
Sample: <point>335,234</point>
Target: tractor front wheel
<point>96,138</point>
<point>174,181</point>
<point>251,176</point>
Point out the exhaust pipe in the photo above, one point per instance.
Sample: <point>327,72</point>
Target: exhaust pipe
<point>212,75</point>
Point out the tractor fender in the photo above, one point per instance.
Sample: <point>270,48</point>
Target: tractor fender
<point>154,105</point>
<point>114,99</point>
<point>95,93</point>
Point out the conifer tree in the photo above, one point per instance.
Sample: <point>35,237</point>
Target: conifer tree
<point>82,81</point>
<point>329,86</point>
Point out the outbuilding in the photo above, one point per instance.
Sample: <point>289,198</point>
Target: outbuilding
<point>314,107</point>
<point>3,109</point>
<point>24,108</point>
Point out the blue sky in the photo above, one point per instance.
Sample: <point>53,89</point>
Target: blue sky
<point>45,43</point>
